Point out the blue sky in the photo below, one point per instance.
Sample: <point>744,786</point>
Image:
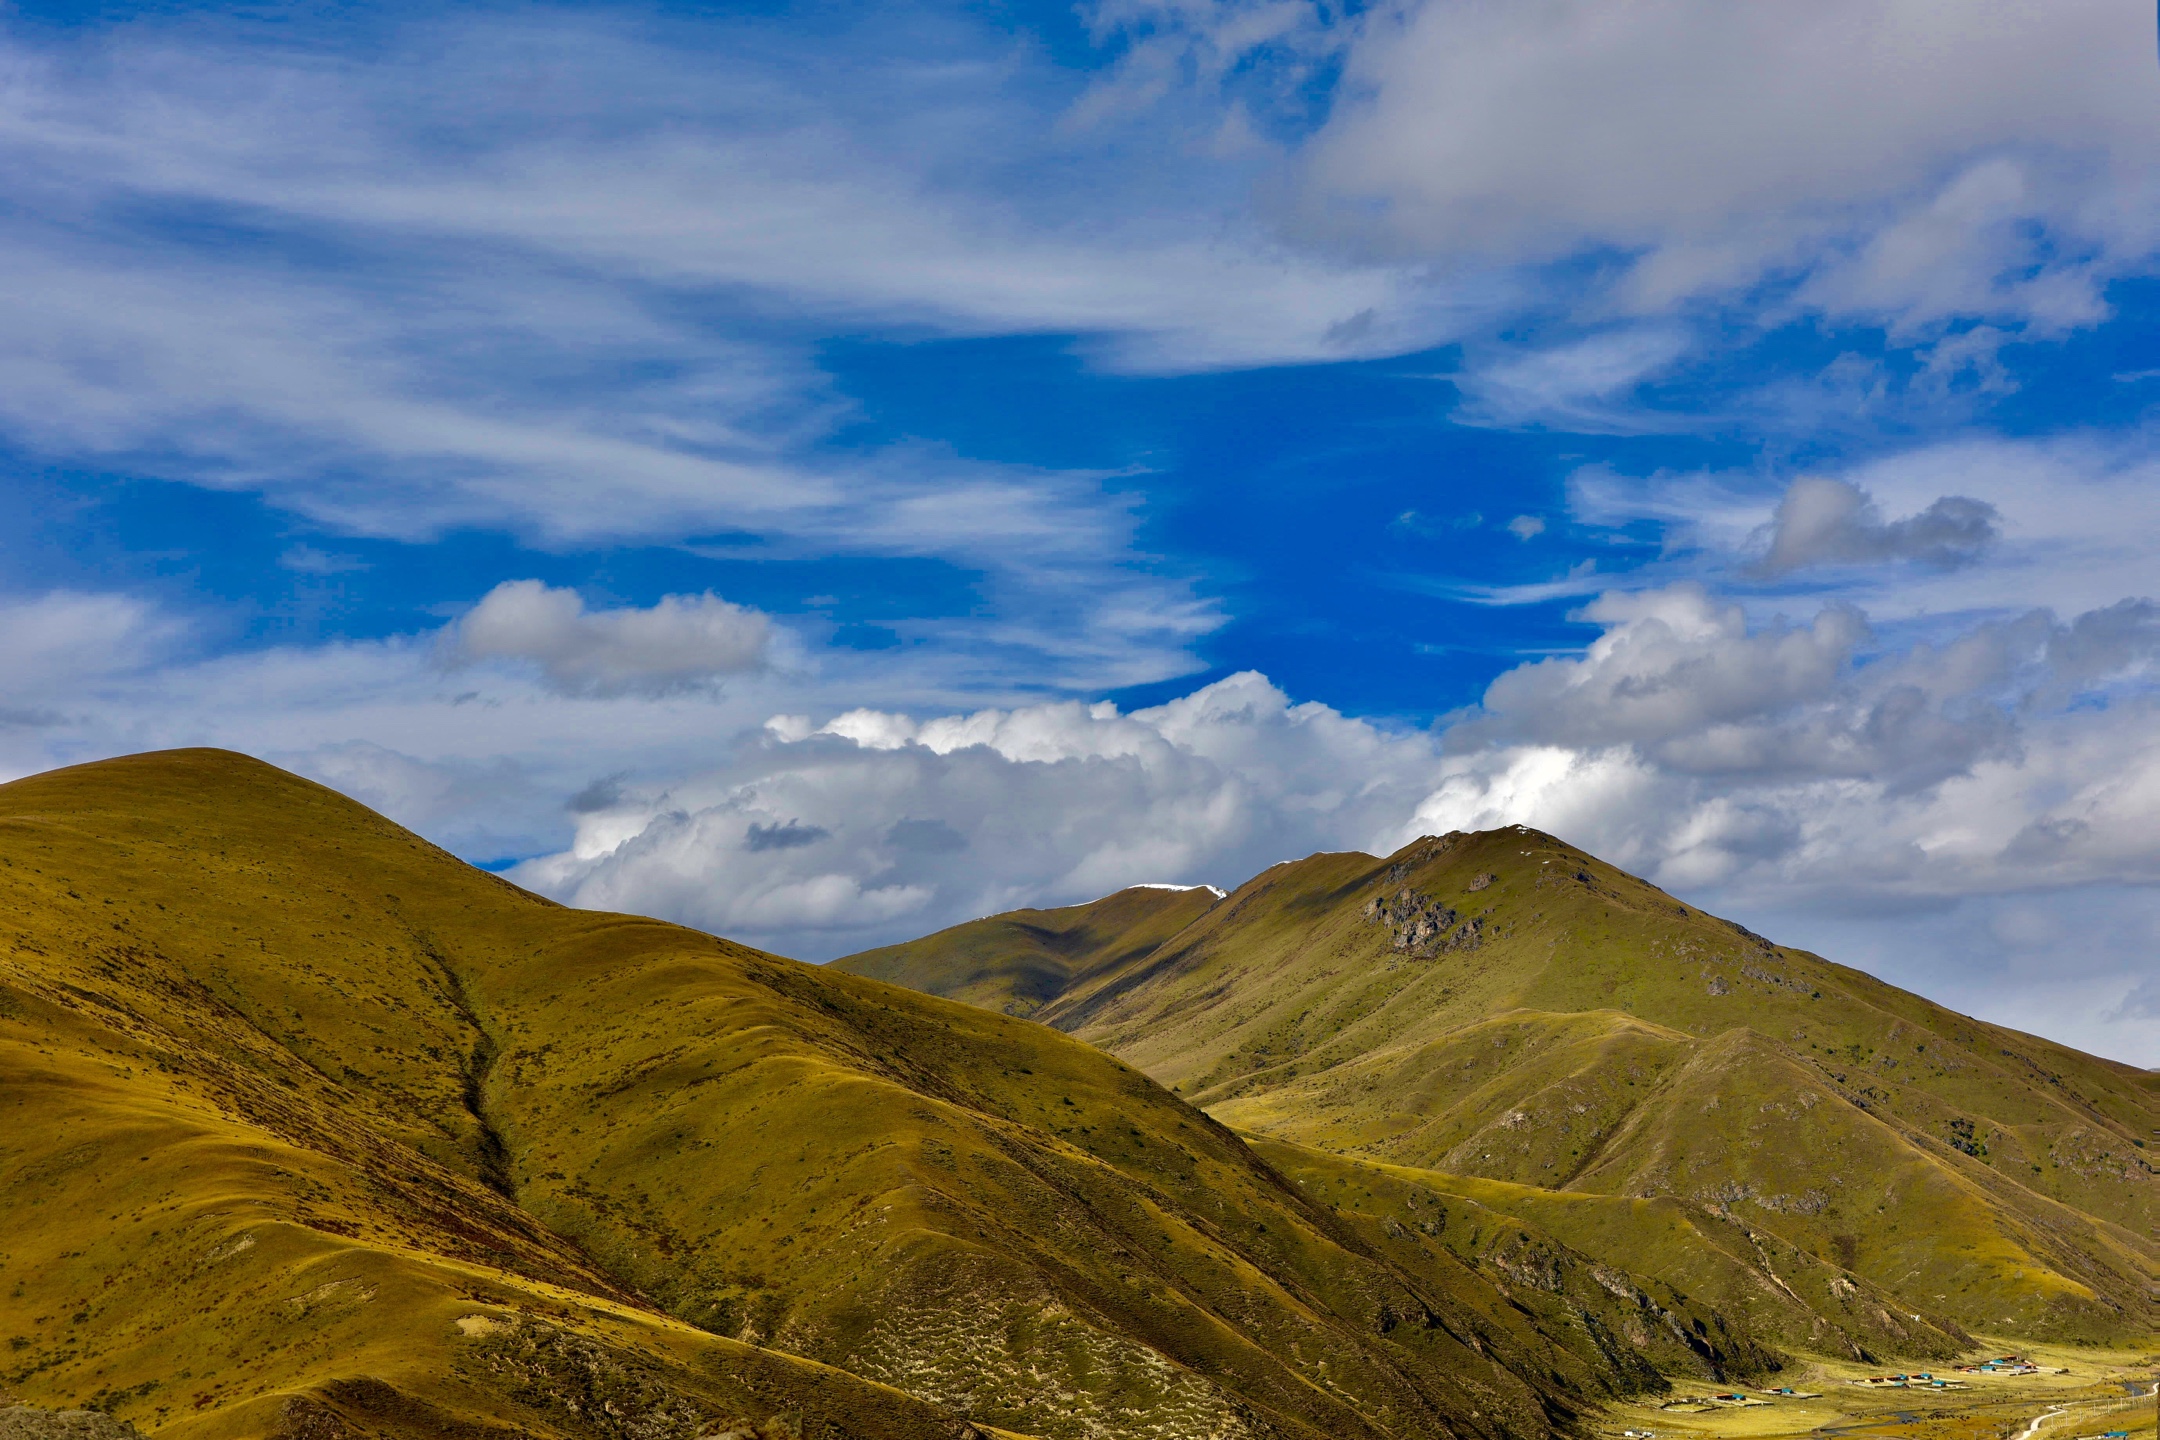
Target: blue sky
<point>1011,451</point>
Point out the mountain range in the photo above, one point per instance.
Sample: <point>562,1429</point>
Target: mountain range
<point>310,1130</point>
<point>1503,1019</point>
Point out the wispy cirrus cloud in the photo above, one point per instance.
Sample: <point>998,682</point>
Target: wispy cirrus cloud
<point>398,289</point>
<point>57,648</point>
<point>1589,385</point>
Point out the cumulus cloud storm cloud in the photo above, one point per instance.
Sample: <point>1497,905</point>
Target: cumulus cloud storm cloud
<point>681,643</point>
<point>1783,758</point>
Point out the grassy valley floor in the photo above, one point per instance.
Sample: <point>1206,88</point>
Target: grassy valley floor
<point>2081,1392</point>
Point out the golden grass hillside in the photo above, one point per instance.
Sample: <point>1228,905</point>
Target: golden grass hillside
<point>309,1130</point>
<point>1881,1173</point>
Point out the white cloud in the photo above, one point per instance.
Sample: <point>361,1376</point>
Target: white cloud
<point>1787,773</point>
<point>1676,673</point>
<point>2069,518</point>
<point>1587,385</point>
<point>1784,762</point>
<point>2141,1003</point>
<point>911,825</point>
<point>1832,522</point>
<point>1902,153</point>
<point>683,161</point>
<point>553,311</point>
<point>58,650</point>
<point>1968,250</point>
<point>681,642</point>
<point>1224,57</point>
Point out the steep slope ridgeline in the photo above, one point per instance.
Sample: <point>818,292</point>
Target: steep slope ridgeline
<point>310,1130</point>
<point>1503,1019</point>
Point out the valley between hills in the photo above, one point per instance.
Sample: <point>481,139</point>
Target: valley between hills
<point>310,1130</point>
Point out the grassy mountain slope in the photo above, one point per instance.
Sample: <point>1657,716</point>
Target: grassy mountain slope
<point>1014,962</point>
<point>312,1130</point>
<point>1549,1240</point>
<point>1505,1007</point>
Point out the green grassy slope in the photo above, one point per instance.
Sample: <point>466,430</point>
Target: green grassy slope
<point>309,1130</point>
<point>1503,1006</point>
